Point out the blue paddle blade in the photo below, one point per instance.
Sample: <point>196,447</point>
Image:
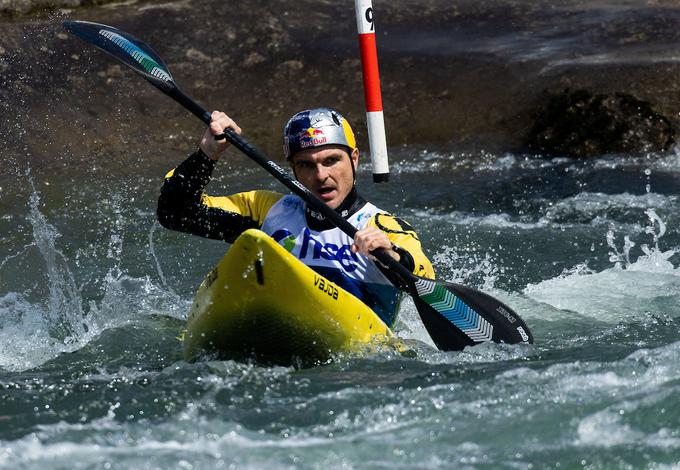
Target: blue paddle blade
<point>456,316</point>
<point>127,49</point>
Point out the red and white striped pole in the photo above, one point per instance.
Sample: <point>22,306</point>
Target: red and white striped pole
<point>374,107</point>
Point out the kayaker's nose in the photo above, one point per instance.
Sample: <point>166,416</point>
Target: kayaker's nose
<point>322,172</point>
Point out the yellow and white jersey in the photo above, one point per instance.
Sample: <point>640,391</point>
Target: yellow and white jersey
<point>184,206</point>
<point>328,251</point>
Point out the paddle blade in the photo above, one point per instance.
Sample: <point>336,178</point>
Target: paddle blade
<point>127,49</point>
<point>456,316</point>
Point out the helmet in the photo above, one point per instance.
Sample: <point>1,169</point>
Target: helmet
<point>314,128</point>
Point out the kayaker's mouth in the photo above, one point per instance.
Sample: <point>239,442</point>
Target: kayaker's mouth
<point>325,191</point>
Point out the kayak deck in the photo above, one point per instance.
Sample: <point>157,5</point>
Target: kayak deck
<point>261,302</point>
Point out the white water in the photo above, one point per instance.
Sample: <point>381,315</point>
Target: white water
<point>648,283</point>
<point>595,275</point>
<point>33,331</point>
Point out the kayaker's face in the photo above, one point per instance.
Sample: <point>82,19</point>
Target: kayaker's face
<point>327,172</point>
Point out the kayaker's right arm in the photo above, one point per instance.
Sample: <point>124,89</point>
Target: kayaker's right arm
<point>184,206</point>
<point>219,122</point>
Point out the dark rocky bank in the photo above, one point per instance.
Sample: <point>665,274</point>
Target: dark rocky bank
<point>466,75</point>
<point>579,124</point>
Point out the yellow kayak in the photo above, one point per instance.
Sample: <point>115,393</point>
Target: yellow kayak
<point>261,302</point>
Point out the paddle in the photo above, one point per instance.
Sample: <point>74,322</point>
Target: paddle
<point>455,316</point>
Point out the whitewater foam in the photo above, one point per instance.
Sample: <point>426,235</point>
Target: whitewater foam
<point>622,291</point>
<point>35,328</point>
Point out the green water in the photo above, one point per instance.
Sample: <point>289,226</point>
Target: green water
<point>93,296</point>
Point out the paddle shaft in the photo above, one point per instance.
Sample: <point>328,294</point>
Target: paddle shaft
<point>436,309</point>
<point>455,316</point>
<point>280,174</point>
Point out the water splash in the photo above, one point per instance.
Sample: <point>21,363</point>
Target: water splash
<point>36,327</point>
<point>159,269</point>
<point>408,324</point>
<point>64,308</point>
<point>648,285</point>
<point>594,208</point>
<point>470,268</point>
<point>464,267</point>
<point>653,259</point>
<point>30,332</point>
<point>619,257</point>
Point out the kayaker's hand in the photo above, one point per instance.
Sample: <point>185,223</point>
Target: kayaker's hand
<point>218,123</point>
<point>369,239</point>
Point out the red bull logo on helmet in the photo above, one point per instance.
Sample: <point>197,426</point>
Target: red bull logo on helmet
<point>315,128</point>
<point>312,138</point>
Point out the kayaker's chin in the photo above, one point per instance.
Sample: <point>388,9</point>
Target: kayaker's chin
<point>330,197</point>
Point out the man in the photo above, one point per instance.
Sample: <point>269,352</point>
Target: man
<point>321,149</point>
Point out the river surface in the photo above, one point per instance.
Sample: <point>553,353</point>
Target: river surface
<point>95,294</point>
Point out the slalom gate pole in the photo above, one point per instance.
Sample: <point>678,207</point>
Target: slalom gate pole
<point>372,95</point>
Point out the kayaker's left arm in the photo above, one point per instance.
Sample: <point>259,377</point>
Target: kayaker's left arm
<point>398,238</point>
<point>369,239</point>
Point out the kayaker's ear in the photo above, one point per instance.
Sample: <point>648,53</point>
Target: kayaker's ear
<point>291,163</point>
<point>354,161</point>
<point>355,157</point>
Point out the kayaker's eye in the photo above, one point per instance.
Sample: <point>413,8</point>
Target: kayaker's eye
<point>303,164</point>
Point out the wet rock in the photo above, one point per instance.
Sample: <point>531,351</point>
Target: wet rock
<point>112,71</point>
<point>253,59</point>
<point>291,65</point>
<point>468,75</point>
<point>195,54</point>
<point>579,123</point>
<point>20,7</point>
